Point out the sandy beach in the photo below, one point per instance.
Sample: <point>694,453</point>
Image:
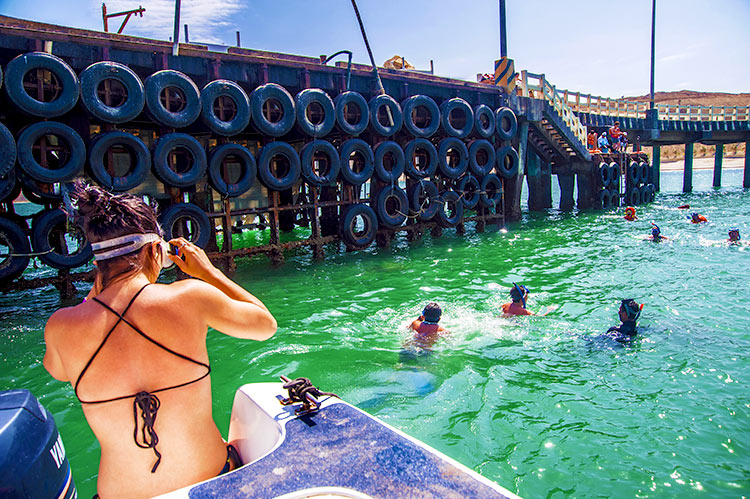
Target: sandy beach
<point>703,164</point>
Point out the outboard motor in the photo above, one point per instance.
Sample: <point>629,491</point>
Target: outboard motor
<point>32,457</point>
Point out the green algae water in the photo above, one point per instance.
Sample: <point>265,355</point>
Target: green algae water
<point>542,405</point>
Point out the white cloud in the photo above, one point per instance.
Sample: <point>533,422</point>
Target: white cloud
<point>208,21</point>
<point>673,57</point>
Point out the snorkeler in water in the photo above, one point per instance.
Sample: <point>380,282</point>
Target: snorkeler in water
<point>426,327</point>
<point>518,294</point>
<point>734,236</point>
<point>629,313</point>
<point>656,234</point>
<point>630,214</point>
<point>697,218</point>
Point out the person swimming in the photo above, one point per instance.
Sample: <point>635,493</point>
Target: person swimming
<point>630,214</point>
<point>518,294</point>
<point>656,234</point>
<point>426,327</point>
<point>629,313</point>
<point>734,235</point>
<point>697,218</point>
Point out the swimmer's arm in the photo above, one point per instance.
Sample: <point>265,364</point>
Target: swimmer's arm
<point>52,362</point>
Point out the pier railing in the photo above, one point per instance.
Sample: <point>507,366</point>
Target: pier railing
<point>536,85</point>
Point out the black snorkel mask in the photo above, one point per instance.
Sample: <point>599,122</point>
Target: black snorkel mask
<point>522,291</point>
<point>631,308</point>
<point>431,315</point>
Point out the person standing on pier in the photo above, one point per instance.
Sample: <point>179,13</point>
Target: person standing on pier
<point>603,143</point>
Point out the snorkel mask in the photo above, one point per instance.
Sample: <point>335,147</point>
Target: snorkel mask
<point>125,245</point>
<point>631,308</point>
<point>655,231</point>
<point>694,217</point>
<point>431,315</point>
<point>522,292</point>
<point>734,234</point>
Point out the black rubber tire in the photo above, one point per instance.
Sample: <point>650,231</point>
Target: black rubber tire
<point>200,232</point>
<point>14,239</point>
<point>247,177</point>
<point>455,144</point>
<point>347,149</point>
<point>615,198</point>
<point>605,174</point>
<point>303,100</point>
<point>450,198</point>
<point>381,172</point>
<point>7,150</point>
<point>307,156</point>
<point>22,64</point>
<point>506,123</point>
<point>474,148</point>
<point>170,78</point>
<point>76,149</point>
<point>348,230</point>
<point>356,99</point>
<point>614,175</point>
<point>634,174</point>
<point>605,199</point>
<point>135,146</point>
<point>645,193</point>
<point>44,228</point>
<point>425,101</point>
<point>265,174</point>
<point>409,155</point>
<point>384,200</point>
<point>634,196</point>
<point>643,173</point>
<point>272,91</point>
<point>651,174</point>
<point>164,145</point>
<point>398,117</point>
<point>491,183</point>
<point>484,121</point>
<point>229,89</point>
<point>98,72</point>
<point>508,163</point>
<point>8,185</point>
<point>450,105</point>
<point>415,192</point>
<point>469,188</point>
<point>38,192</point>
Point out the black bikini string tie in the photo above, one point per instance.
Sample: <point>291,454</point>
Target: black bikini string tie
<point>148,405</point>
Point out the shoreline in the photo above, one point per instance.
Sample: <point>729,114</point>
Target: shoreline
<point>703,164</point>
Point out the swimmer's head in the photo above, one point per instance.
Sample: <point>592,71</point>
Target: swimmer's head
<point>694,217</point>
<point>655,230</point>
<point>519,293</point>
<point>630,310</point>
<point>734,234</point>
<point>432,313</point>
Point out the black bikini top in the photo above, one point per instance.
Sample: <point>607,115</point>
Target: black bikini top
<point>147,402</point>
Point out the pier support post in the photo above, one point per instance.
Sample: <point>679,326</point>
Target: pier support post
<point>512,186</point>
<point>585,191</point>
<point>746,176</point>
<point>718,160</point>
<point>656,163</point>
<point>687,178</point>
<point>566,181</point>
<point>534,182</point>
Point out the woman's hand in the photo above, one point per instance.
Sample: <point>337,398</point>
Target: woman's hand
<point>191,259</point>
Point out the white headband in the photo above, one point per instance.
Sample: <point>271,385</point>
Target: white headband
<point>123,245</point>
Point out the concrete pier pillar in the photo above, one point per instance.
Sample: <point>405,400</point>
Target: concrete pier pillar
<point>512,186</point>
<point>746,176</point>
<point>687,178</point>
<point>566,181</point>
<point>545,192</point>
<point>718,160</point>
<point>585,191</point>
<point>656,163</point>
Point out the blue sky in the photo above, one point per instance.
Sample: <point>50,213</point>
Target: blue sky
<point>598,47</point>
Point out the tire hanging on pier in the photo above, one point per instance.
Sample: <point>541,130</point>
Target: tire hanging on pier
<point>491,190</point>
<point>172,98</point>
<point>311,125</point>
<point>112,92</point>
<point>217,166</point>
<point>383,109</point>
<point>194,162</point>
<point>423,200</point>
<point>634,174</point>
<point>38,192</point>
<point>357,161</point>
<point>392,206</point>
<point>605,174</point>
<point>421,158</point>
<point>614,175</point>
<point>71,153</point>
<point>272,110</point>
<point>60,245</point>
<point>643,173</point>
<point>351,233</point>
<point>468,187</point>
<point>14,242</point>
<point>268,164</point>
<point>482,157</point>
<point>8,151</point>
<point>615,198</point>
<point>137,153</point>
<point>507,162</point>
<point>389,153</point>
<point>484,121</point>
<point>432,118</point>
<point>506,123</point>
<point>634,196</point>
<point>451,210</point>
<point>57,85</point>
<point>645,191</point>
<point>605,199</point>
<point>225,107</point>
<point>449,148</point>
<point>311,154</point>
<point>464,125</point>
<point>351,105</point>
<point>9,187</point>
<point>188,221</point>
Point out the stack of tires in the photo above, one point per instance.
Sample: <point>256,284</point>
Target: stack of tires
<point>639,186</point>
<point>609,176</point>
<point>165,129</point>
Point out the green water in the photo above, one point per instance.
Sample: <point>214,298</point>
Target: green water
<point>540,404</point>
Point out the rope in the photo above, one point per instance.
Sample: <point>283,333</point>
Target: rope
<point>148,405</point>
<point>298,389</point>
<point>40,253</point>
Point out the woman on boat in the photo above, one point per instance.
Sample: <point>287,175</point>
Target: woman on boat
<point>135,351</point>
